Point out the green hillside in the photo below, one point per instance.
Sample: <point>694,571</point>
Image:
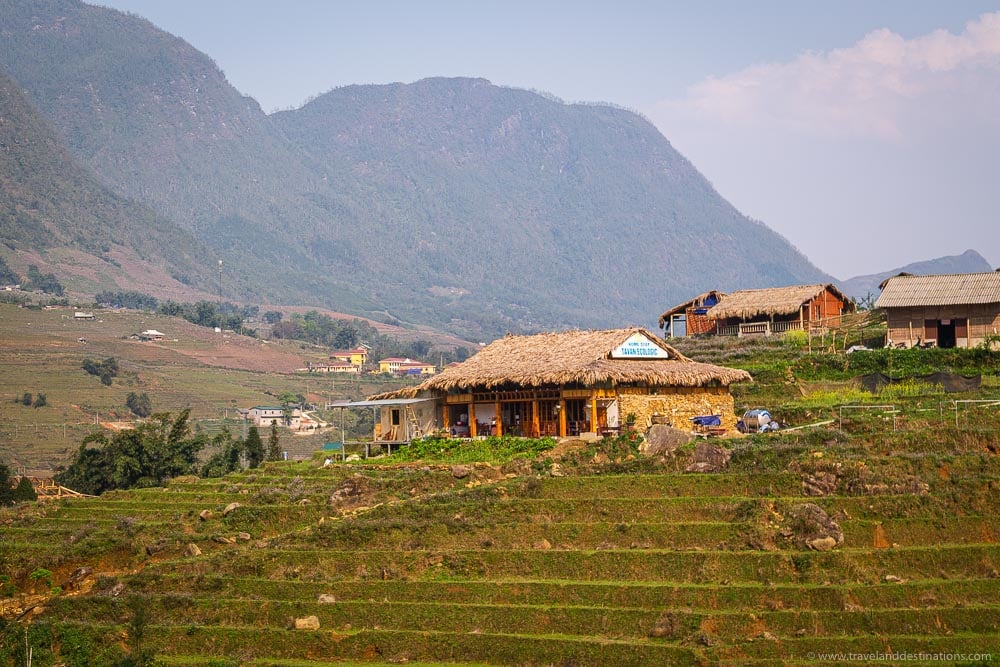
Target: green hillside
<point>451,202</point>
<point>631,562</point>
<point>872,531</point>
<point>195,368</point>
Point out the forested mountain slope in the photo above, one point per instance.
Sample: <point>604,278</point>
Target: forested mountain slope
<point>452,202</point>
<point>55,213</point>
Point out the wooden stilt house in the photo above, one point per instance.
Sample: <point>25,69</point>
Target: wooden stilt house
<point>779,309</point>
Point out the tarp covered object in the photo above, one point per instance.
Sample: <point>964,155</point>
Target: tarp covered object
<point>952,382</point>
<point>707,420</point>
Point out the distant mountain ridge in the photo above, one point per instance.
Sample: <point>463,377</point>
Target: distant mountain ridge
<point>970,261</point>
<point>451,202</point>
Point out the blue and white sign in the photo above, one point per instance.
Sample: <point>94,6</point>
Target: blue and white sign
<point>638,346</point>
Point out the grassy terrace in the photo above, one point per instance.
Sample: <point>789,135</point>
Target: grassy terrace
<point>623,560</point>
<point>637,566</point>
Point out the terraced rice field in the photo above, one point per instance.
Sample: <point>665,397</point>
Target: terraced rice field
<point>616,565</point>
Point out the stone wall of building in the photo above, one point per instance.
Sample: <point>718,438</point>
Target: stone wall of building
<point>679,408</point>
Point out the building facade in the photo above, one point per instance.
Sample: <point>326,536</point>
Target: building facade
<point>569,383</point>
<point>955,310</point>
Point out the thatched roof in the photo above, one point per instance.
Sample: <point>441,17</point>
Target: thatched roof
<point>750,303</point>
<point>696,302</point>
<point>584,357</point>
<point>906,290</point>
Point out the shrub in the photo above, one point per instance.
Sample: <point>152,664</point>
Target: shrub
<point>494,449</point>
<point>796,338</point>
<point>25,492</point>
<point>139,404</point>
<point>106,369</point>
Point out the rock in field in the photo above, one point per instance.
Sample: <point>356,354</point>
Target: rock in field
<point>307,623</point>
<point>663,440</point>
<point>709,457</point>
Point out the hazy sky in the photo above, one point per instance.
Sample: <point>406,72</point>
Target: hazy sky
<point>866,132</point>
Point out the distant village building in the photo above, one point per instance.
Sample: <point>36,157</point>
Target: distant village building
<point>83,315</point>
<point>265,415</point>
<point>563,384</point>
<point>400,366</point>
<point>762,311</point>
<point>151,334</point>
<point>334,367</point>
<point>357,357</point>
<point>955,310</point>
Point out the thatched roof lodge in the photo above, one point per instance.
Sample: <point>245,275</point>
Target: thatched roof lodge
<point>575,382</point>
<point>955,310</point>
<point>694,313</point>
<point>780,309</point>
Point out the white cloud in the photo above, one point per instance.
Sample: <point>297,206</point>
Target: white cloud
<point>866,157</point>
<point>871,89</point>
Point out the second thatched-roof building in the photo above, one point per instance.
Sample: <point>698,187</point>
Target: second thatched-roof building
<point>761,311</point>
<point>570,383</point>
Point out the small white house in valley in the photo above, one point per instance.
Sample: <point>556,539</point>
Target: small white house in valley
<point>265,415</point>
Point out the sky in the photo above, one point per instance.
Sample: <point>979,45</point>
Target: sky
<point>865,132</point>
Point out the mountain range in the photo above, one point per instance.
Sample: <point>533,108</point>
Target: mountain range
<point>867,287</point>
<point>455,203</point>
<point>55,213</point>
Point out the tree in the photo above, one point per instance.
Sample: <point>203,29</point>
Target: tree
<point>7,276</point>
<point>227,459</point>
<point>26,399</point>
<point>6,490</point>
<point>287,400</point>
<point>254,448</point>
<point>139,404</point>
<point>106,369</point>
<point>139,607</point>
<point>145,456</point>
<point>273,316</point>
<point>273,445</point>
<point>40,400</point>
<point>25,491</point>
<point>47,282</point>
<point>346,338</point>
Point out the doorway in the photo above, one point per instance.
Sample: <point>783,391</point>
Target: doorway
<point>945,333</point>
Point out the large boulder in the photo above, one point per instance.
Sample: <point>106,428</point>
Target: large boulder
<point>350,491</point>
<point>809,526</point>
<point>663,440</point>
<point>709,457</point>
<point>820,483</point>
<point>307,623</point>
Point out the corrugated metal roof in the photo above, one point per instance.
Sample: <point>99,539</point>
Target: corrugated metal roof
<point>381,402</point>
<point>953,289</point>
